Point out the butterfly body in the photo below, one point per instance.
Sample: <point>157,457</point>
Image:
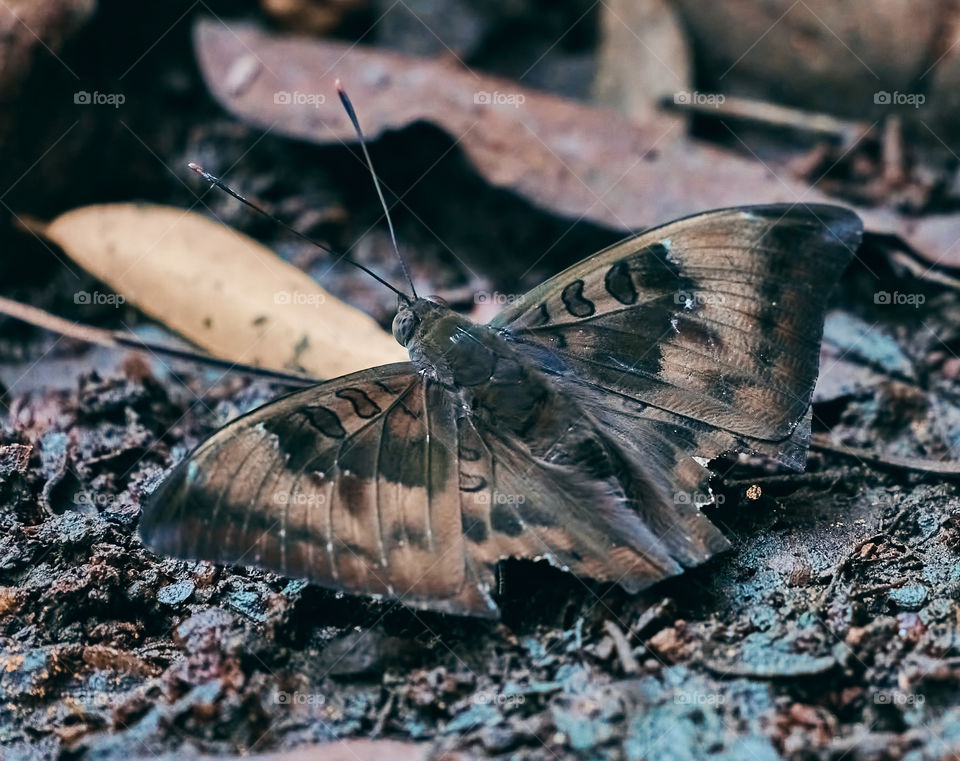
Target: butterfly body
<point>494,381</point>
<point>572,428</point>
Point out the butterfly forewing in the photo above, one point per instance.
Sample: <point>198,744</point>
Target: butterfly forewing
<point>716,318</point>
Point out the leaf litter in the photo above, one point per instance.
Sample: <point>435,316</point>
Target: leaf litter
<point>221,289</point>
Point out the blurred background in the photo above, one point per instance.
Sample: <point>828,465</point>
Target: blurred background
<point>703,106</point>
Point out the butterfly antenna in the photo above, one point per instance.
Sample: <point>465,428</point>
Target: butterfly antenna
<point>348,106</point>
<point>216,181</point>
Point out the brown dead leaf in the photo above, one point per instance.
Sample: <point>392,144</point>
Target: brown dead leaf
<point>574,160</point>
<point>221,289</point>
<point>311,16</point>
<point>564,156</point>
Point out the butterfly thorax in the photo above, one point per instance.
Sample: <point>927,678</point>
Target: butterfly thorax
<point>493,380</point>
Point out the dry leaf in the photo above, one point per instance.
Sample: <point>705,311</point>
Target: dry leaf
<point>311,16</point>
<point>574,160</point>
<point>221,289</point>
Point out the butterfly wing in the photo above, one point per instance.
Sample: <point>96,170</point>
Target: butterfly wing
<point>710,325</point>
<point>352,484</point>
<point>588,504</point>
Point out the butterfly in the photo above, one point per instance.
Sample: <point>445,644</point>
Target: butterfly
<point>574,427</point>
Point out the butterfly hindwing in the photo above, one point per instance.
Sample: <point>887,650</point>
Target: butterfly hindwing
<point>715,319</point>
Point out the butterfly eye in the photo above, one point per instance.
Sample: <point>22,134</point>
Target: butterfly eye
<point>404,326</point>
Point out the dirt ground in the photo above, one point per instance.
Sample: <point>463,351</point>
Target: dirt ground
<point>830,630</point>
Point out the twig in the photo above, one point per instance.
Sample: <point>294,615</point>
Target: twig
<point>382,715</point>
<point>748,109</point>
<point>922,270</point>
<point>894,161</point>
<point>115,339</point>
<point>819,478</point>
<point>624,652</point>
<point>918,464</point>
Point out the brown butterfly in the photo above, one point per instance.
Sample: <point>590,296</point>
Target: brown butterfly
<point>572,428</point>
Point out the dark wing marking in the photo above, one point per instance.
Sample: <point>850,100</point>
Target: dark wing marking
<point>716,318</point>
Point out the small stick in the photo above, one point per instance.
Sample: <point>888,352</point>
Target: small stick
<point>115,339</point>
<point>773,115</point>
<point>894,162</point>
<point>383,714</point>
<point>624,652</point>
<point>918,464</point>
<point>797,480</point>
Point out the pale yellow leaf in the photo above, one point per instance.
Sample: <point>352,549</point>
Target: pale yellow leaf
<point>221,289</point>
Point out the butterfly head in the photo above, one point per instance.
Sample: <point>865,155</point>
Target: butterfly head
<point>413,317</point>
